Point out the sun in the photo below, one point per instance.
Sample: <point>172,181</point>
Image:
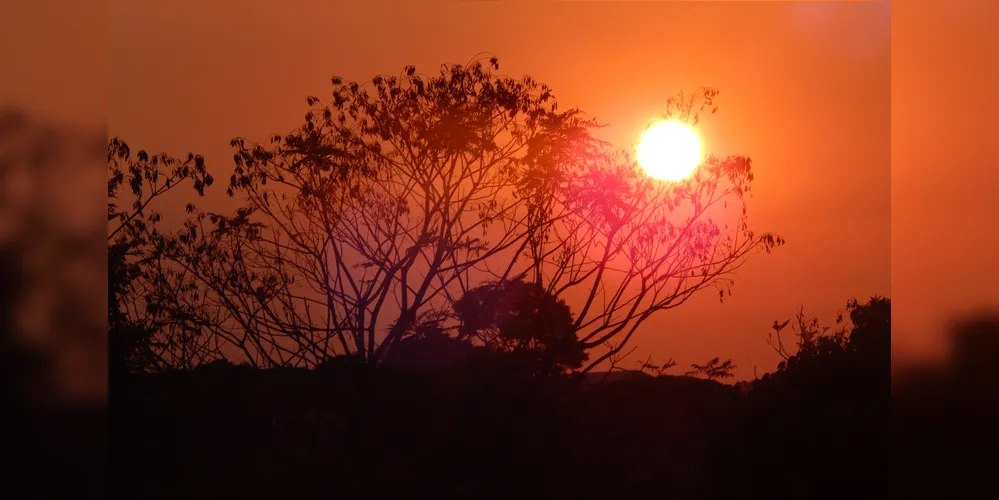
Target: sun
<point>669,151</point>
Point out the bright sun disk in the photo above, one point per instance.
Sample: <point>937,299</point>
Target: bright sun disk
<point>669,151</point>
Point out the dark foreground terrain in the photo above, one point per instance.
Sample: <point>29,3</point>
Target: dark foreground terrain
<point>816,429</point>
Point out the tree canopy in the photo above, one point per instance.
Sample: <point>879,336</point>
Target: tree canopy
<point>401,200</point>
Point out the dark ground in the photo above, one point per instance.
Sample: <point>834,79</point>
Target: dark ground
<point>349,432</point>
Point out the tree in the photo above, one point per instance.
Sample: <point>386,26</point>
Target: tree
<point>524,319</point>
<point>398,197</point>
<point>141,323</point>
<point>866,335</point>
<point>715,368</point>
<point>827,405</point>
<point>633,246</point>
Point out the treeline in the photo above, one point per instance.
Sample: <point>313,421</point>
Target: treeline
<point>817,427</point>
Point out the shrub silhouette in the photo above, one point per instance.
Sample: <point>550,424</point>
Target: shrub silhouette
<point>522,319</point>
<point>825,408</point>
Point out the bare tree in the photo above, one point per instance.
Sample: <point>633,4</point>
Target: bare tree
<point>629,245</point>
<point>385,205</point>
<point>654,369</point>
<point>146,329</point>
<point>398,197</point>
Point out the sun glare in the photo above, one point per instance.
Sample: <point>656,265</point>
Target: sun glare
<point>669,151</point>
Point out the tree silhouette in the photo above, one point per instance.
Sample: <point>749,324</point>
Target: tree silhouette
<point>867,333</point>
<point>826,405</point>
<point>715,368</point>
<point>143,330</point>
<point>654,369</point>
<point>400,196</point>
<point>524,319</point>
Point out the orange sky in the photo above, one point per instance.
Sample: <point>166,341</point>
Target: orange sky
<point>805,91</point>
<point>944,174</point>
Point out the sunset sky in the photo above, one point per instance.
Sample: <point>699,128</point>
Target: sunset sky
<point>806,91</point>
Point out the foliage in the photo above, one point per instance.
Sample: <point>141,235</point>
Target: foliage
<point>713,369</point>
<point>827,405</point>
<point>143,329</point>
<point>655,369</point>
<point>868,332</point>
<point>400,196</point>
<point>522,318</point>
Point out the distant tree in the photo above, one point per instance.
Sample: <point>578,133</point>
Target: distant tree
<point>828,404</point>
<point>524,319</point>
<point>809,336</point>
<point>714,369</point>
<point>868,331</point>
<point>398,197</point>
